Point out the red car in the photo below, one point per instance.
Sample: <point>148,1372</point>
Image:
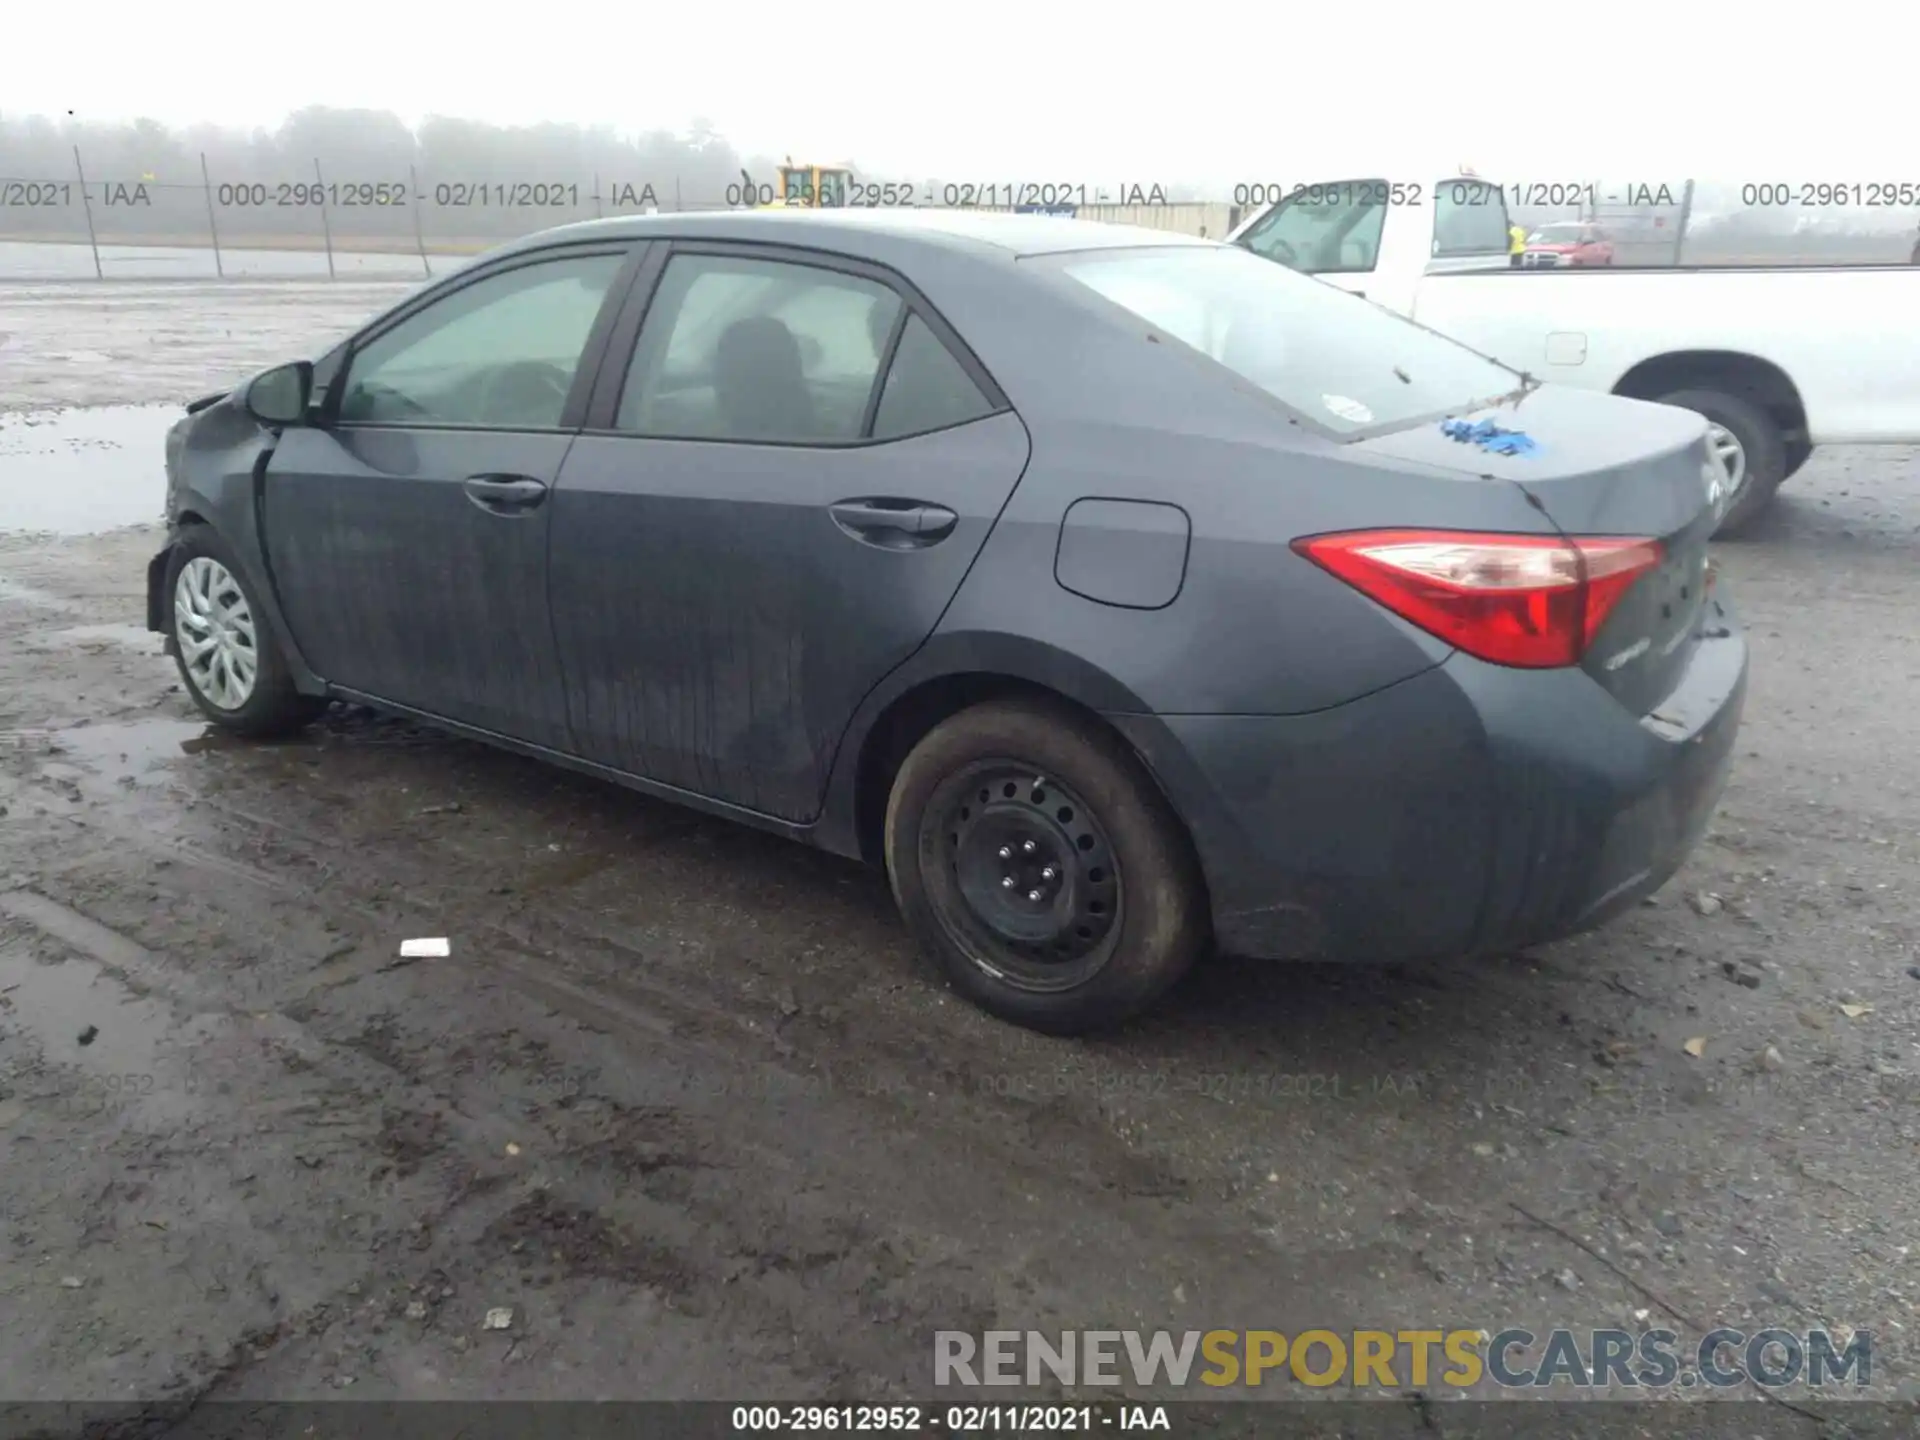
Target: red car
<point>1574,243</point>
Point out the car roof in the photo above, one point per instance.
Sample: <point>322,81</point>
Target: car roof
<point>975,231</point>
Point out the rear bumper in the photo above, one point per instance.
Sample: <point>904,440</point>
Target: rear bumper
<point>1471,808</point>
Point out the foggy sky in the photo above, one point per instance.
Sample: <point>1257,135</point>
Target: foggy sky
<point>1098,95</point>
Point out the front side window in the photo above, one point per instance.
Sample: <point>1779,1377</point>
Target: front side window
<point>1326,229</point>
<point>500,352</point>
<point>757,350</point>
<point>1345,363</point>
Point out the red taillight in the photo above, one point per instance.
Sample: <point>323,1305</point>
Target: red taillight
<point>1533,601</point>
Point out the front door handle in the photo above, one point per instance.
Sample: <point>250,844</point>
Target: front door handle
<point>894,524</point>
<point>505,494</point>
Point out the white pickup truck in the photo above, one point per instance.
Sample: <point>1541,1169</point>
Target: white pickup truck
<point>1778,359</point>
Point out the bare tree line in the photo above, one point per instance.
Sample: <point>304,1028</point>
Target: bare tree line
<point>375,177</point>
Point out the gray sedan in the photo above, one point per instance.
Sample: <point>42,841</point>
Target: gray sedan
<point>1121,594</point>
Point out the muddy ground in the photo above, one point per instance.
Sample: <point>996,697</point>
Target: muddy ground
<point>685,1099</point>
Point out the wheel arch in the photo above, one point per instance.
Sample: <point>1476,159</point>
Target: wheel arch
<point>256,568</point>
<point>1750,377</point>
<point>950,675</point>
<point>160,575</point>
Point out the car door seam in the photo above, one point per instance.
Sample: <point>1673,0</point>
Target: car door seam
<point>833,761</point>
<point>546,589</point>
<point>272,579</point>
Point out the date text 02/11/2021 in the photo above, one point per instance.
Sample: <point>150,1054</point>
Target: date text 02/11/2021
<point>1461,191</point>
<point>445,194</point>
<point>856,194</point>
<point>948,1419</point>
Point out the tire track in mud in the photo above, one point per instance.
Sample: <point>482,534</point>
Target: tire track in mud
<point>1032,1147</point>
<point>670,979</point>
<point>733,1119</point>
<point>1038,1143</point>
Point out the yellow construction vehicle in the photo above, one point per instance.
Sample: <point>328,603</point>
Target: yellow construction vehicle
<point>811,186</point>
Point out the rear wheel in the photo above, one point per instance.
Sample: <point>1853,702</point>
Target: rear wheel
<point>227,654</point>
<point>1034,859</point>
<point>1748,445</point>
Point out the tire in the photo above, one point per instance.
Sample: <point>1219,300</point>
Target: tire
<point>1123,917</point>
<point>1763,447</point>
<point>209,598</point>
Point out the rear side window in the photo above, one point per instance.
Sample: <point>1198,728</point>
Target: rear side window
<point>926,388</point>
<point>1469,218</point>
<point>757,350</point>
<point>1327,229</point>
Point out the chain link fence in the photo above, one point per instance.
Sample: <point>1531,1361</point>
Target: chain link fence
<point>407,224</point>
<point>321,224</point>
<point>75,225</point>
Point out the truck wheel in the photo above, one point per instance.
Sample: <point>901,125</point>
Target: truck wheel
<point>228,656</point>
<point>1033,857</point>
<point>1748,443</point>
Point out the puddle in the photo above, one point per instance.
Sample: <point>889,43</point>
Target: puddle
<point>78,472</point>
<point>26,595</point>
<point>76,1017</point>
<point>133,637</point>
<point>562,874</point>
<point>137,750</point>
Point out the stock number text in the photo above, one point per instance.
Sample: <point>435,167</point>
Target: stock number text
<point>785,1418</point>
<point>347,195</point>
<point>1336,192</point>
<point>1874,193</point>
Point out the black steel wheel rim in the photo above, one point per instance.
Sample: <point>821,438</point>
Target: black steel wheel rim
<point>1022,875</point>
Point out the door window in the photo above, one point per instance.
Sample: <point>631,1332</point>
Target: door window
<point>500,352</point>
<point>927,389</point>
<point>1469,218</point>
<point>1325,229</point>
<point>757,350</point>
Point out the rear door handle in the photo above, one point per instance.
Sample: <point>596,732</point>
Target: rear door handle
<point>505,494</point>
<point>895,524</point>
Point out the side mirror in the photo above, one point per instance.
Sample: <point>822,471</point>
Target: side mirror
<point>280,396</point>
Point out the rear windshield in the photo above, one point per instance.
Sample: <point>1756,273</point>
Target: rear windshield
<point>1343,362</point>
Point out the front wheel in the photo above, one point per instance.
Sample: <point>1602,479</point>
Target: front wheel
<point>1748,446</point>
<point>228,657</point>
<point>1033,857</point>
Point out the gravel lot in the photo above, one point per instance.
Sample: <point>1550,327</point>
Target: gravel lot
<point>686,1100</point>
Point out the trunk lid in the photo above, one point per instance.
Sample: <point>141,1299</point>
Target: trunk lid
<point>1607,466</point>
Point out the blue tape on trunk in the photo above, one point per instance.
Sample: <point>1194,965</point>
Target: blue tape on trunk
<point>1493,438</point>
